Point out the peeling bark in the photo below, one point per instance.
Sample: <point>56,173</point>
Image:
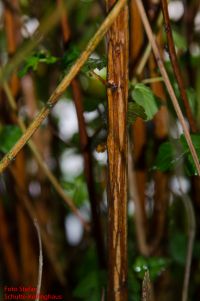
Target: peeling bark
<point>117,155</point>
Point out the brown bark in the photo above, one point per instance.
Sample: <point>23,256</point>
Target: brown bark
<point>117,156</point>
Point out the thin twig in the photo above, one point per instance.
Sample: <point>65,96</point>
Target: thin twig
<point>147,52</point>
<point>175,66</point>
<point>40,264</point>
<point>152,80</point>
<point>32,212</point>
<point>168,83</point>
<point>98,77</point>
<point>63,85</point>
<point>68,201</point>
<point>189,210</point>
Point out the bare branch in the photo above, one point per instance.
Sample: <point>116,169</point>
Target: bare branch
<point>175,66</point>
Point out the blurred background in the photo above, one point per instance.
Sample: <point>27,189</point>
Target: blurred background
<point>59,178</point>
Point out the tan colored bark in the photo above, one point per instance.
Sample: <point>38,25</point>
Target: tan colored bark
<point>117,155</point>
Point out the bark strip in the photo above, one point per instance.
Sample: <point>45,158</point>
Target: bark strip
<point>117,155</point>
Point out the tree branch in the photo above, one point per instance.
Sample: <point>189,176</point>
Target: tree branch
<point>63,85</point>
<point>175,66</point>
<point>117,156</point>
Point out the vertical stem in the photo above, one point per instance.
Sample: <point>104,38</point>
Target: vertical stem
<point>117,155</point>
<point>87,154</point>
<point>175,66</point>
<point>88,170</point>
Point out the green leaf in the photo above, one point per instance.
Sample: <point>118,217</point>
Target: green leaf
<point>143,96</point>
<point>195,140</point>
<point>134,111</point>
<point>70,57</point>
<point>179,40</point>
<point>165,158</point>
<point>93,63</point>
<point>190,165</point>
<point>9,135</point>
<point>155,265</point>
<point>31,63</point>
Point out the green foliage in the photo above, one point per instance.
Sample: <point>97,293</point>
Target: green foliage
<point>134,111</point>
<point>9,135</point>
<point>92,63</point>
<point>155,265</point>
<point>32,62</point>
<point>91,280</point>
<point>189,160</point>
<point>179,40</point>
<point>144,97</point>
<point>70,57</point>
<point>89,288</point>
<point>91,103</point>
<point>77,189</point>
<point>168,157</point>
<point>134,286</point>
<point>164,160</point>
<point>178,247</point>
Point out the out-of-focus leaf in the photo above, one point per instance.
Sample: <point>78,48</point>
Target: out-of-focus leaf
<point>179,40</point>
<point>95,63</point>
<point>178,248</point>
<point>9,135</point>
<point>134,111</point>
<point>191,168</point>
<point>31,63</point>
<point>90,103</point>
<point>70,57</point>
<point>90,286</point>
<point>76,189</point>
<point>165,160</point>
<point>92,63</point>
<point>155,266</point>
<point>192,98</point>
<point>143,96</point>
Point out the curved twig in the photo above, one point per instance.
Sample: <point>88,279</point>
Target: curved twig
<point>40,265</point>
<point>191,237</point>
